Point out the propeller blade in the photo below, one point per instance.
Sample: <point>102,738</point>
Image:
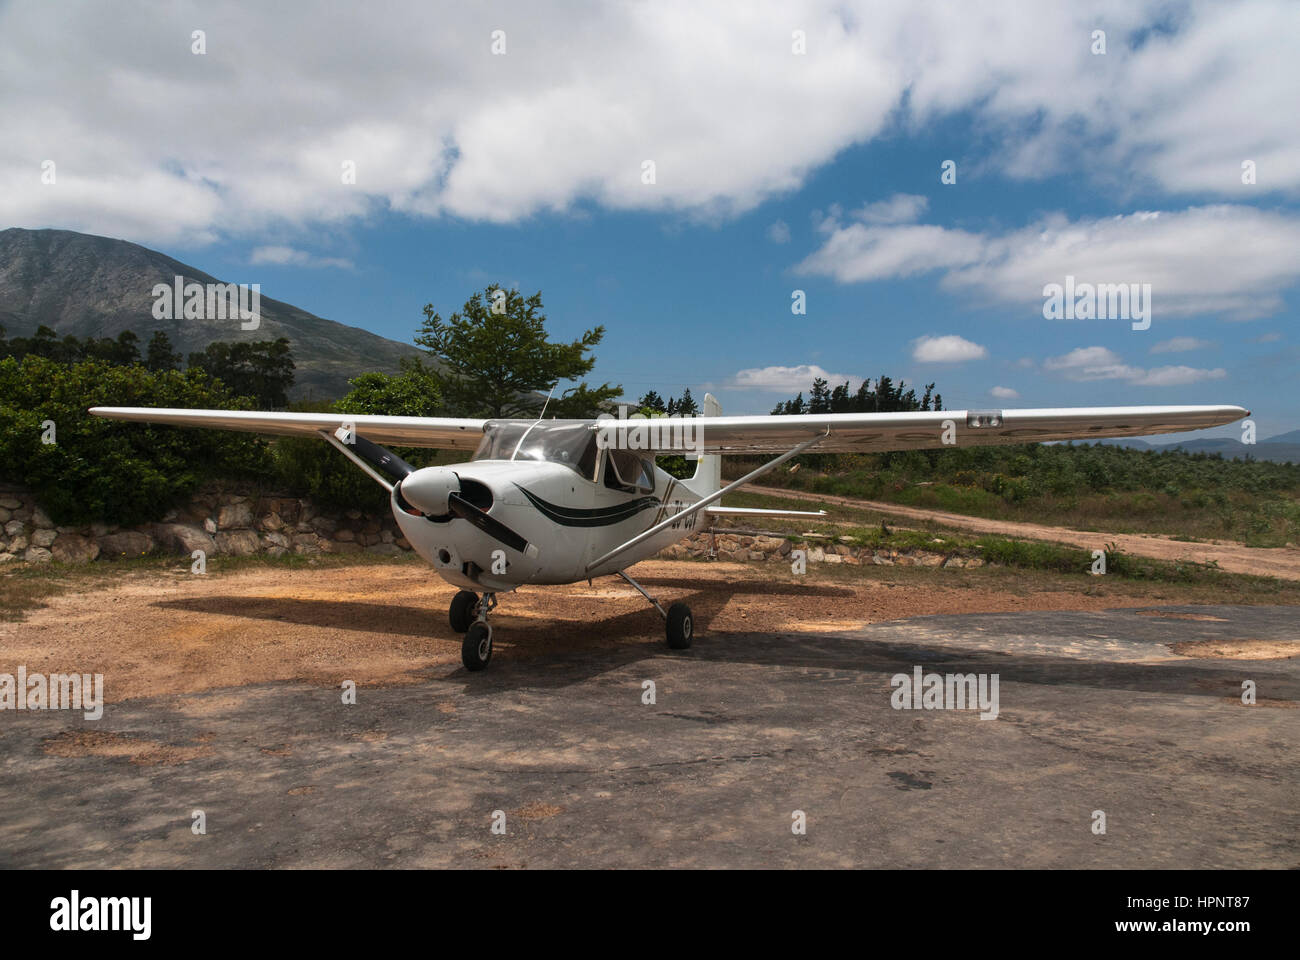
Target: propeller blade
<point>383,460</point>
<point>491,526</point>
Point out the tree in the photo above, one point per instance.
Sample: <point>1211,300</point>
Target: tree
<point>105,470</point>
<point>819,398</point>
<point>411,393</point>
<point>652,402</point>
<point>159,355</point>
<point>262,370</point>
<point>494,357</point>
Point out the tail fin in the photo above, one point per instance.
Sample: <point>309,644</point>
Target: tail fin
<point>708,472</point>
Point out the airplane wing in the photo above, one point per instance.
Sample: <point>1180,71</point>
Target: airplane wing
<point>445,433</point>
<point>876,432</point>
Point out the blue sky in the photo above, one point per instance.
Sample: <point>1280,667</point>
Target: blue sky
<point>775,171</point>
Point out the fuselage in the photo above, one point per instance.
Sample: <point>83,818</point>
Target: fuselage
<point>570,520</point>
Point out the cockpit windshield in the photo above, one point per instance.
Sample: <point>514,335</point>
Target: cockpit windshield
<point>570,442</point>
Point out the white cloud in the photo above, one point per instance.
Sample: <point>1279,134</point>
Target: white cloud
<point>1004,393</point>
<point>152,142</point>
<point>1181,345</point>
<point>785,379</point>
<point>1100,363</point>
<point>1216,259</point>
<point>291,257</point>
<point>947,349</point>
<point>779,232</point>
<point>900,208</point>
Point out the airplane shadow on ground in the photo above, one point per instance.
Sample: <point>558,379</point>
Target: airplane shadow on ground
<point>554,654</point>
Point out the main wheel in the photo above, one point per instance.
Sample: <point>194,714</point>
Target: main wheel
<point>680,626</point>
<point>464,606</point>
<point>476,648</point>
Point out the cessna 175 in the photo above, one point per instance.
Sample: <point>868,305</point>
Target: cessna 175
<point>559,501</point>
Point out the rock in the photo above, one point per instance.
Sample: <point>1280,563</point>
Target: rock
<point>834,558</point>
<point>181,538</point>
<point>386,536</point>
<point>344,535</point>
<point>276,551</point>
<point>74,548</point>
<point>209,525</point>
<point>975,562</point>
<point>17,545</point>
<point>234,516</point>
<point>238,543</point>
<point>272,522</point>
<point>816,555</point>
<point>757,555</point>
<point>41,520</point>
<point>785,548</point>
<point>385,549</point>
<point>128,543</point>
<point>99,529</point>
<point>403,543</point>
<point>306,543</point>
<point>14,527</point>
<point>5,515</point>
<point>43,537</point>
<point>325,526</point>
<point>353,514</point>
<point>371,526</point>
<point>336,546</point>
<point>930,559</point>
<point>11,503</point>
<point>37,555</point>
<point>6,557</point>
<point>276,539</point>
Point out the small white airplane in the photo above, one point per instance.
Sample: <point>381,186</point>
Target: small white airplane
<point>559,501</point>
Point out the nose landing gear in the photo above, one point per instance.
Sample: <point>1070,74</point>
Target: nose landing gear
<point>470,614</point>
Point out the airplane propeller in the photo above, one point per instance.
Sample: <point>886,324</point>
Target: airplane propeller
<point>490,525</point>
<point>381,458</point>
<point>436,492</point>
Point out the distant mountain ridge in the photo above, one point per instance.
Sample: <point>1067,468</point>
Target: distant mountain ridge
<point>81,284</point>
<point>1284,448</point>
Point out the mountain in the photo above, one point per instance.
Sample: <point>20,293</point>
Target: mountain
<point>76,283</point>
<point>1284,448</point>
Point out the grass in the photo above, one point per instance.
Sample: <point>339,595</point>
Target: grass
<point>1259,518</point>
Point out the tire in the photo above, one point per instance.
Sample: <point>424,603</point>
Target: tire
<point>476,648</point>
<point>463,609</point>
<point>681,626</point>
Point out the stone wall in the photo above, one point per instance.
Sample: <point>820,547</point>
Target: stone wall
<point>220,524</point>
<point>233,524</point>
<point>745,546</point>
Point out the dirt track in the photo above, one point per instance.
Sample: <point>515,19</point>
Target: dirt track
<point>1283,562</point>
<point>153,635</point>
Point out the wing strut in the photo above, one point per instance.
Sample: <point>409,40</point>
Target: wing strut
<point>701,504</point>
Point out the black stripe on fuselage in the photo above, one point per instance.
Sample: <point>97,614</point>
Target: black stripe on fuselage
<point>599,517</point>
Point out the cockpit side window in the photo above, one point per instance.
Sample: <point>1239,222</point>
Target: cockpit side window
<point>627,472</point>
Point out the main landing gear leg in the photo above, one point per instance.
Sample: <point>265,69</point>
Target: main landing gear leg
<point>680,623</point>
<point>476,649</point>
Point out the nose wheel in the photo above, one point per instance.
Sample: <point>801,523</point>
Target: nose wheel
<point>476,648</point>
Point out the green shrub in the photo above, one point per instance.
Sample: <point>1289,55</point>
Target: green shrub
<point>110,471</point>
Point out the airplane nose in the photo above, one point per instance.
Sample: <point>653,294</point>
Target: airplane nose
<point>429,488</point>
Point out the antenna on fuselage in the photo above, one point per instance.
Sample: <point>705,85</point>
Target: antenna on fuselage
<point>548,400</point>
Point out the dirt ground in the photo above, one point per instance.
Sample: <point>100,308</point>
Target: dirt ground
<point>1283,562</point>
<point>154,634</point>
